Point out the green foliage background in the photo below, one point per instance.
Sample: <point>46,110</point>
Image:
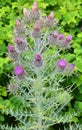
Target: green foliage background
<point>69,16</point>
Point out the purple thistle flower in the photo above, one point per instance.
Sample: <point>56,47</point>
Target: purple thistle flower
<point>18,40</point>
<point>11,48</point>
<point>19,71</point>
<point>53,38</point>
<point>55,34</point>
<point>12,52</point>
<point>38,57</point>
<point>71,66</point>
<point>36,32</point>
<point>68,38</point>
<point>61,37</point>
<point>18,23</point>
<point>62,64</point>
<point>38,60</point>
<point>21,44</point>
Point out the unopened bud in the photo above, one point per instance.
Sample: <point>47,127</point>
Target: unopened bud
<point>12,52</point>
<point>12,88</point>
<point>35,6</point>
<point>38,60</point>
<point>37,26</point>
<point>18,23</point>
<point>51,16</point>
<point>55,34</point>
<point>25,12</point>
<point>21,44</point>
<point>71,66</point>
<point>36,32</point>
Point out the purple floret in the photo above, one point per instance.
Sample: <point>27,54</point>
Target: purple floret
<point>68,38</point>
<point>38,57</point>
<point>62,63</point>
<point>11,48</point>
<point>72,66</point>
<point>18,71</point>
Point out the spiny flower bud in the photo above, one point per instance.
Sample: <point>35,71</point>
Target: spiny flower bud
<point>19,71</point>
<point>26,16</point>
<point>21,44</point>
<point>51,16</point>
<point>35,6</point>
<point>34,13</point>
<point>56,34</point>
<point>41,22</point>
<point>53,38</point>
<point>38,60</point>
<point>68,38</point>
<point>19,29</point>
<point>38,57</point>
<point>71,66</point>
<point>49,21</point>
<point>70,69</point>
<point>12,52</point>
<point>36,32</point>
<point>61,37</point>
<point>12,88</point>
<point>62,64</point>
<point>25,12</point>
<point>18,23</point>
<point>11,48</point>
<point>37,26</point>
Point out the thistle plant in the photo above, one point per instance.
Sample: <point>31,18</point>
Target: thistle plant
<point>39,71</point>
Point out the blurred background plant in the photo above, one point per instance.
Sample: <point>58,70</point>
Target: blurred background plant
<point>69,16</point>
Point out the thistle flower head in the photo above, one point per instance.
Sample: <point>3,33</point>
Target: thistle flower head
<point>37,26</point>
<point>38,62</point>
<point>25,12</point>
<point>21,43</point>
<point>36,32</point>
<point>68,38</point>
<point>62,64</point>
<point>12,88</point>
<point>19,71</point>
<point>71,66</point>
<point>51,16</point>
<point>38,57</point>
<point>18,23</point>
<point>55,34</point>
<point>11,48</point>
<point>18,40</point>
<point>61,36</point>
<point>35,6</point>
<point>12,52</point>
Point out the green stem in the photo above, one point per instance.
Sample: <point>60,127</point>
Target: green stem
<point>39,98</point>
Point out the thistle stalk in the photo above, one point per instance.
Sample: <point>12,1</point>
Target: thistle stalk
<point>38,71</point>
<point>38,95</point>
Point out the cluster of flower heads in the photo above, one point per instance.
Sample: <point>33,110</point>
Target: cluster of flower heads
<point>38,23</point>
<point>60,40</point>
<point>65,67</point>
<point>35,14</point>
